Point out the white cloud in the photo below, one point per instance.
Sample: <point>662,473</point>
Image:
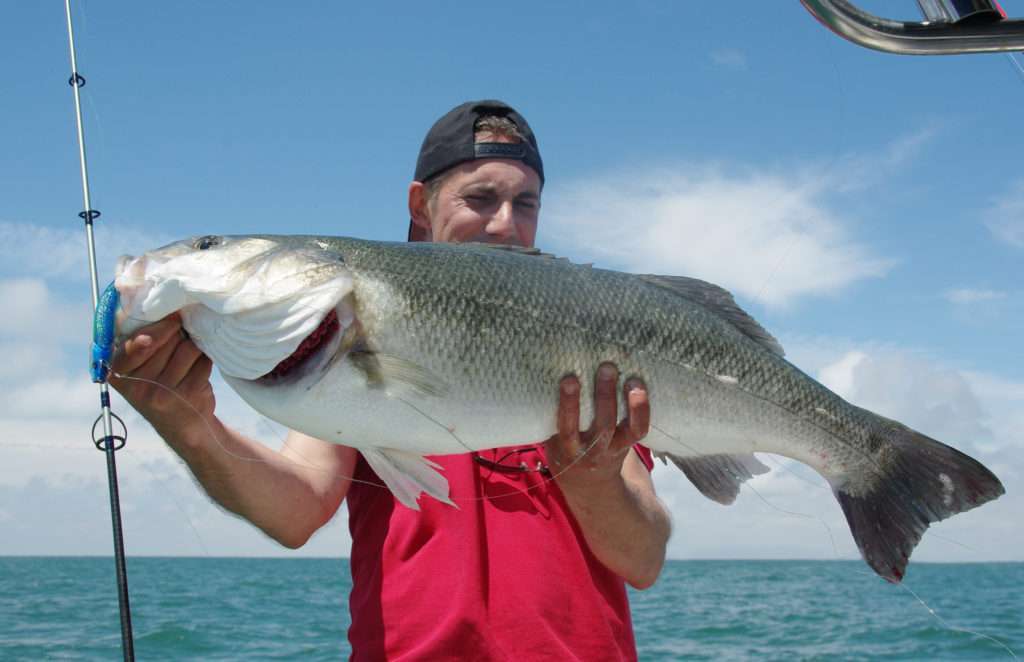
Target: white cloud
<point>729,58</point>
<point>775,235</point>
<point>768,236</point>
<point>791,513</point>
<point>967,295</point>
<point>1005,218</point>
<point>908,147</point>
<point>32,311</point>
<point>45,252</point>
<point>53,491</point>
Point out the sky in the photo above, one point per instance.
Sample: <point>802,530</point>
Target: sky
<point>867,209</point>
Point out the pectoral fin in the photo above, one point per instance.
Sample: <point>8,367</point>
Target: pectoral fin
<point>388,372</point>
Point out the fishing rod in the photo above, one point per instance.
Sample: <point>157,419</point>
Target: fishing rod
<point>109,442</point>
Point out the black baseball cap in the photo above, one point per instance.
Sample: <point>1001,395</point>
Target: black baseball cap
<point>452,140</point>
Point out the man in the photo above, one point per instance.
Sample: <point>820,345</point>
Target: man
<point>531,563</point>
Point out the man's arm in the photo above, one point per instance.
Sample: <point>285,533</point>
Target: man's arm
<point>288,494</point>
<point>608,489</point>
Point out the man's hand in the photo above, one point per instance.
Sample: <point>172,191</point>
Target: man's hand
<point>182,396</point>
<point>597,454</point>
<point>607,487</point>
<point>289,494</point>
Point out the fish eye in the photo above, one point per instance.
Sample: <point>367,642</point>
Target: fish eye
<point>206,242</point>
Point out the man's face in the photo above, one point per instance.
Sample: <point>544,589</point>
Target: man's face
<point>490,200</point>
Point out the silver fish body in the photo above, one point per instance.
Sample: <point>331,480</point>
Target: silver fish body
<point>451,348</point>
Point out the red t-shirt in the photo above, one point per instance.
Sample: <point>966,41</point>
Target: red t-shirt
<point>505,576</point>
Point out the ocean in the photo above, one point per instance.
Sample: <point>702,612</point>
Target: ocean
<point>256,609</point>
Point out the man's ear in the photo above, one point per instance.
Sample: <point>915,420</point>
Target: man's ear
<point>418,211</point>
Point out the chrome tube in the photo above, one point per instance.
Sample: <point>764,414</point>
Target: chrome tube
<point>951,27</point>
<point>952,11</point>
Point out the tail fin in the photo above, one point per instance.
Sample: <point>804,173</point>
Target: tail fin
<point>920,482</point>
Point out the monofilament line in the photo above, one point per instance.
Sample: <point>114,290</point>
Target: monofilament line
<point>313,467</point>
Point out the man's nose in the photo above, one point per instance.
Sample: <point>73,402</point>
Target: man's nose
<point>503,222</point>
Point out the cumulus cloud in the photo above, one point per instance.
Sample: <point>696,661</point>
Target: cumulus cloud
<point>53,489</point>
<point>47,252</point>
<point>32,310</point>
<point>1005,218</point>
<point>53,486</point>
<point>771,237</point>
<point>163,514</point>
<point>791,513</point>
<point>967,295</point>
<point>935,400</point>
<point>909,147</point>
<point>729,58</point>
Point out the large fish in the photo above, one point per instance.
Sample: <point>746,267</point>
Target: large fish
<point>405,350</point>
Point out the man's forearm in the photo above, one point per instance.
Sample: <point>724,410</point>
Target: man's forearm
<point>624,523</point>
<point>284,495</point>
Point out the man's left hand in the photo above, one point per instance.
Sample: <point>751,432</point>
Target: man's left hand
<point>596,454</point>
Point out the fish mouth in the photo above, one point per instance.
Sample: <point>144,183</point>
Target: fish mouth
<point>321,337</point>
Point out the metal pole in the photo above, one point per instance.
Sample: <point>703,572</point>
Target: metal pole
<point>108,441</point>
<point>977,27</point>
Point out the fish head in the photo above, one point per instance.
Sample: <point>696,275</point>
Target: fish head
<point>258,306</point>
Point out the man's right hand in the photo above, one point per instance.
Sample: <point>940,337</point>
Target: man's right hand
<point>162,353</point>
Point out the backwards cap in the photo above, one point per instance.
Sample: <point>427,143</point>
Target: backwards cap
<point>452,140</point>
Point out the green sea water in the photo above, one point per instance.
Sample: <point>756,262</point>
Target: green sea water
<point>256,609</point>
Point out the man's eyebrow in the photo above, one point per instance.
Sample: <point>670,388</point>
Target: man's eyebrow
<point>483,187</point>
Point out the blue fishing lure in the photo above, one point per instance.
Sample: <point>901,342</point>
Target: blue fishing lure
<point>103,334</point>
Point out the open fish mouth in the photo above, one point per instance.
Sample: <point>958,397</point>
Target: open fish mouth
<point>322,335</point>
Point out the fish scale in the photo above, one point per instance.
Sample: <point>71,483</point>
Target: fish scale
<point>462,347</point>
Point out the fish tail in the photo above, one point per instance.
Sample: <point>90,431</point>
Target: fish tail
<point>918,481</point>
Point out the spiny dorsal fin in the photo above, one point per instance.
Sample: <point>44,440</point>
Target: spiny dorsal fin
<point>527,250</point>
<point>718,301</point>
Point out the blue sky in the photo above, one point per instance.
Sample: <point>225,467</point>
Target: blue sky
<point>868,209</point>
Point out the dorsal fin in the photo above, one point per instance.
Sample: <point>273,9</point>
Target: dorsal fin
<point>720,302</point>
<point>526,250</point>
<point>712,297</point>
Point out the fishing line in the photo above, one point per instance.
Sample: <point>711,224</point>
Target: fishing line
<point>835,551</point>
<point>546,478</point>
<point>903,584</point>
<point>943,622</point>
<point>312,466</point>
<point>1015,63</point>
<point>953,628</point>
<point>789,469</point>
<point>747,483</point>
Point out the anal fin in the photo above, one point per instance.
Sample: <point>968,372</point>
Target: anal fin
<point>718,477</point>
<point>408,475</point>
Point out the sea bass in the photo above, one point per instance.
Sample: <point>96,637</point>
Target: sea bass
<point>409,349</point>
